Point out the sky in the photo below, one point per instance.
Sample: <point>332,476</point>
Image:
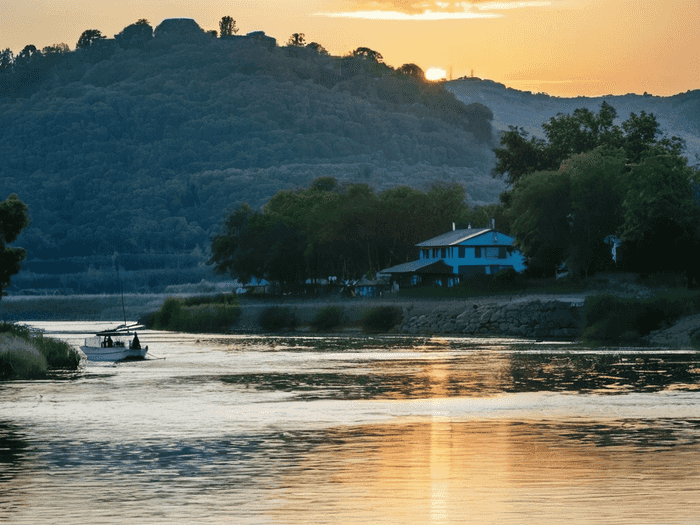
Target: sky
<point>561,47</point>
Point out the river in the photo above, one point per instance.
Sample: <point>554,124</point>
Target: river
<point>316,429</point>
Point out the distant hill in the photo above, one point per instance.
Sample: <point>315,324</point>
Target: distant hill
<point>141,145</point>
<point>678,115</point>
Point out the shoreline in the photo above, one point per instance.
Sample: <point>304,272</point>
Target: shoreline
<point>531,315</point>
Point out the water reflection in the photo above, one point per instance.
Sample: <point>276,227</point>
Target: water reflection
<point>498,472</point>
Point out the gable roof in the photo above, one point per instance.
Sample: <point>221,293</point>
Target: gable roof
<point>454,237</point>
<point>421,266</point>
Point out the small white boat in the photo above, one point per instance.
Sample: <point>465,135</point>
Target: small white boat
<point>114,345</point>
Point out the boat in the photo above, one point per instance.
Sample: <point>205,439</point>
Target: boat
<point>119,344</point>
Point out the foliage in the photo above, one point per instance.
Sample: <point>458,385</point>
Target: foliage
<point>277,318</point>
<point>613,319</point>
<point>227,27</point>
<point>331,229</point>
<point>203,314</point>
<point>327,318</point>
<point>135,36</point>
<point>24,355</point>
<point>381,319</point>
<point>88,38</point>
<point>13,219</point>
<point>297,40</point>
<point>411,70</point>
<point>20,359</point>
<point>580,132</point>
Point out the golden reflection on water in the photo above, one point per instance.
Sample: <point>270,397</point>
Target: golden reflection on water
<point>490,472</point>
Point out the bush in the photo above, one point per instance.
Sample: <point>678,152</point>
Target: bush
<point>276,319</point>
<point>52,353</point>
<point>195,314</point>
<point>381,319</point>
<point>507,278</point>
<point>617,319</point>
<point>58,354</point>
<point>20,359</point>
<point>327,318</point>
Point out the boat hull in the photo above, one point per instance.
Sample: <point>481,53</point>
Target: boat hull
<point>113,354</point>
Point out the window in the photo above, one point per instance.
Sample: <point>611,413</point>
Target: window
<point>502,252</point>
<point>492,252</point>
<point>477,252</point>
<point>461,252</point>
<point>425,253</point>
<point>443,253</point>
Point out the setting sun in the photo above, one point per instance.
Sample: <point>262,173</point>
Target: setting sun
<point>435,73</point>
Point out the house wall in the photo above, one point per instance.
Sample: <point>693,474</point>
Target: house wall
<point>489,262</point>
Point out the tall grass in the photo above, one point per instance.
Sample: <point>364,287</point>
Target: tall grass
<point>24,355</point>
<point>201,314</point>
<point>381,319</point>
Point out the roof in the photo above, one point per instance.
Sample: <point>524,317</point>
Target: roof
<point>421,266</point>
<point>454,237</point>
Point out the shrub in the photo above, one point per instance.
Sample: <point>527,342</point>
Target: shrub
<point>20,359</point>
<point>327,318</point>
<point>203,314</point>
<point>618,319</point>
<point>381,319</point>
<point>58,354</point>
<point>276,318</point>
<point>507,278</point>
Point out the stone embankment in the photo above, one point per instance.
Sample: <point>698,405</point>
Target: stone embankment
<point>539,319</point>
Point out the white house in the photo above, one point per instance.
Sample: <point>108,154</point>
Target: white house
<point>460,253</point>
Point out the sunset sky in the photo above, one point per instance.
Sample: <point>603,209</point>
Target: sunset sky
<point>561,47</point>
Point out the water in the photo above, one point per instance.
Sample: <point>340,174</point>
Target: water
<point>248,429</point>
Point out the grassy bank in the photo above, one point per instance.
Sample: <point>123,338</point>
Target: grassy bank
<point>621,320</point>
<point>198,314</point>
<point>25,355</point>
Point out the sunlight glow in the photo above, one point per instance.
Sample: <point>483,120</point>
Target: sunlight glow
<point>395,15</point>
<point>435,73</point>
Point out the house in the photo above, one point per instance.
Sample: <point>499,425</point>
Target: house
<point>459,254</point>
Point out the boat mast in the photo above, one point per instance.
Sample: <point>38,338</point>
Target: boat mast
<point>121,290</point>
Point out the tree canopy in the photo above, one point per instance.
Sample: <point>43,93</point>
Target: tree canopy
<point>89,37</point>
<point>227,27</point>
<point>592,180</point>
<point>330,229</point>
<point>13,219</point>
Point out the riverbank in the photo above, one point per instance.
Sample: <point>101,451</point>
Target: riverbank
<point>557,316</point>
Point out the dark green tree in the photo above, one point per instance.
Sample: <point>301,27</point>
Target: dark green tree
<point>135,36</point>
<point>369,54</point>
<point>7,59</point>
<point>411,70</point>
<point>88,38</point>
<point>227,27</point>
<point>14,218</point>
<point>318,48</point>
<point>297,40</point>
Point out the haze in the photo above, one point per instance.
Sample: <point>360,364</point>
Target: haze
<point>560,47</point>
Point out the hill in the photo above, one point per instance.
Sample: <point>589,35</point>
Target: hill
<point>143,150</point>
<point>678,115</point>
<point>130,152</point>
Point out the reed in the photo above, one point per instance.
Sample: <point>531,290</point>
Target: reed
<point>19,359</point>
<point>204,314</point>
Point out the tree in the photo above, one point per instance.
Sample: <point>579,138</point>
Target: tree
<point>7,59</point>
<point>227,27</point>
<point>412,70</point>
<point>13,219</point>
<point>135,36</point>
<point>661,218</point>
<point>369,54</point>
<point>583,131</point>
<point>27,55</point>
<point>297,40</point>
<point>56,49</point>
<point>318,48</point>
<point>88,38</point>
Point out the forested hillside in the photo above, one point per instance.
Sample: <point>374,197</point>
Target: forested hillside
<point>131,151</point>
<point>144,149</point>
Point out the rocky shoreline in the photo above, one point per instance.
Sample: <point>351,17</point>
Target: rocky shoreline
<point>537,319</point>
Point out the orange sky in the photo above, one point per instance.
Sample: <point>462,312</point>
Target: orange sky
<point>561,47</point>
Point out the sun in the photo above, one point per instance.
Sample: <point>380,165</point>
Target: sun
<point>435,73</point>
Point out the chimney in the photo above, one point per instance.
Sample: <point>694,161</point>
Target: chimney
<point>453,226</point>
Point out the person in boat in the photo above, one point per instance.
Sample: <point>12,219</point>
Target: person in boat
<point>108,342</point>
<point>136,344</point>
